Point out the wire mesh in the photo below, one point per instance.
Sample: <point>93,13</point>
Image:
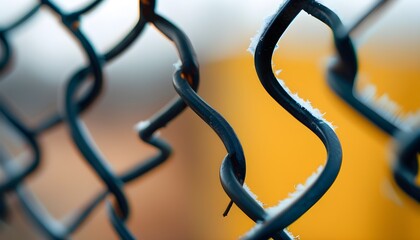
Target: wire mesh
<point>77,100</point>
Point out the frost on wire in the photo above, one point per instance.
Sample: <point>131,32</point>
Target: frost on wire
<point>306,104</point>
<point>389,109</point>
<point>283,204</point>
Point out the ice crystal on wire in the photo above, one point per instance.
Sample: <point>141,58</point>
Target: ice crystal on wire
<point>253,195</point>
<point>255,40</point>
<point>300,190</point>
<point>389,109</point>
<point>306,104</point>
<point>141,125</point>
<point>178,65</point>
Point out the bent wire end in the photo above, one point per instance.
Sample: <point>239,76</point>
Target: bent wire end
<point>233,168</point>
<point>186,79</point>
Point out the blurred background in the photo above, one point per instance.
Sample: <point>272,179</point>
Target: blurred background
<point>183,198</point>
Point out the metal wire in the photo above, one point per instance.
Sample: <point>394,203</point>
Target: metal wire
<point>186,84</point>
<point>263,55</point>
<point>175,107</point>
<point>342,78</point>
<point>4,31</point>
<point>16,175</point>
<point>73,107</point>
<point>49,226</point>
<point>406,166</point>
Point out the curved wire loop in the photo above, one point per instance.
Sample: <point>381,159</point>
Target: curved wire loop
<point>72,22</point>
<point>269,225</point>
<point>341,78</point>
<point>5,45</point>
<point>406,166</point>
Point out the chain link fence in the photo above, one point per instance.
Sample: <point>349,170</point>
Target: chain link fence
<point>85,85</point>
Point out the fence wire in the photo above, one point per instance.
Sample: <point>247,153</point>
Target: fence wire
<point>341,77</point>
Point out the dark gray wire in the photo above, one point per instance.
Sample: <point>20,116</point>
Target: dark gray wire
<point>7,49</point>
<point>341,78</point>
<point>342,73</point>
<point>263,55</point>
<point>232,172</point>
<point>174,108</point>
<point>406,167</point>
<point>43,220</point>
